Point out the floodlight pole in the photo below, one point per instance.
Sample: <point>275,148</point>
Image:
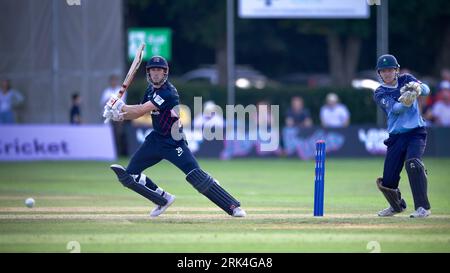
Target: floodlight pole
<point>55,59</point>
<point>382,43</point>
<point>230,53</point>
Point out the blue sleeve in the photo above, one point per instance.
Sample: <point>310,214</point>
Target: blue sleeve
<point>388,104</point>
<point>425,90</point>
<point>399,108</point>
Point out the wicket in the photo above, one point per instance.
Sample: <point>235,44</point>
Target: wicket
<point>320,178</point>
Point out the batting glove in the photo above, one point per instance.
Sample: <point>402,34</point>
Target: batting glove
<point>117,116</point>
<point>115,103</point>
<point>107,113</point>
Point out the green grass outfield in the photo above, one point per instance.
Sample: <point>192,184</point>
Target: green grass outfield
<point>83,202</point>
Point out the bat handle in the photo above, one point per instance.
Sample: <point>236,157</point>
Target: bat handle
<point>121,91</point>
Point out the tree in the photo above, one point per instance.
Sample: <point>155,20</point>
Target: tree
<point>204,22</point>
<point>195,21</point>
<point>344,39</point>
<point>420,33</point>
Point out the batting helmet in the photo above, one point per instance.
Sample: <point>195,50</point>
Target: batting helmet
<point>157,62</point>
<point>387,61</point>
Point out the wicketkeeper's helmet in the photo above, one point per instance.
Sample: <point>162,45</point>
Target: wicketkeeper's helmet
<point>387,61</point>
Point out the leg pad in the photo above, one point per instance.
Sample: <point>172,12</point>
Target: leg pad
<point>207,185</point>
<point>418,181</point>
<point>393,196</point>
<point>128,181</point>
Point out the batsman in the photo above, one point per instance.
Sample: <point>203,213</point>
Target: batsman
<point>397,96</point>
<point>161,100</point>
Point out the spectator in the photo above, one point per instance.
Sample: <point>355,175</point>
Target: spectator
<point>445,75</point>
<point>297,115</point>
<point>118,127</point>
<point>112,89</point>
<point>9,98</point>
<point>427,107</point>
<point>210,118</point>
<point>443,86</point>
<point>334,114</point>
<point>267,128</point>
<point>441,110</point>
<point>75,112</point>
<point>444,83</point>
<point>263,108</point>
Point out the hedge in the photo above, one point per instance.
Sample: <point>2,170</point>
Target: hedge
<point>359,101</point>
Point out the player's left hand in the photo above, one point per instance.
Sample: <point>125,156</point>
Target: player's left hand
<point>408,98</point>
<point>115,102</point>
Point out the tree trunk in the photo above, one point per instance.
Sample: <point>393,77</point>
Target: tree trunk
<point>335,59</point>
<point>352,51</point>
<point>443,57</point>
<point>221,63</point>
<point>343,60</point>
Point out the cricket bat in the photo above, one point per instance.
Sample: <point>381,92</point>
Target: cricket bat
<point>130,76</point>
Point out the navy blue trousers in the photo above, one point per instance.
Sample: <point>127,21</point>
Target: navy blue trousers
<point>401,147</point>
<point>156,148</point>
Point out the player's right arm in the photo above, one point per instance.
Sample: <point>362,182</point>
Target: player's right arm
<point>138,110</point>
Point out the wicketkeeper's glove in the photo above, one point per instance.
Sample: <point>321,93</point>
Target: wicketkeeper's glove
<point>414,87</point>
<point>407,98</point>
<point>409,93</point>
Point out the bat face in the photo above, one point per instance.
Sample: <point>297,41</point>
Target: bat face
<point>133,69</point>
<point>130,75</point>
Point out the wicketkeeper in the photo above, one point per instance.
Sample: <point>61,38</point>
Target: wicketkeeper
<point>397,96</point>
<point>166,141</point>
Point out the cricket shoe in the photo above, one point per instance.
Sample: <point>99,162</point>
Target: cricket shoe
<point>238,212</point>
<point>387,212</point>
<point>160,209</point>
<point>420,213</point>
<point>390,211</point>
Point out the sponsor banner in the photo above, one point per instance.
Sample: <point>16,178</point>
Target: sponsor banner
<point>158,42</point>
<point>354,141</point>
<point>56,142</point>
<point>304,9</point>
